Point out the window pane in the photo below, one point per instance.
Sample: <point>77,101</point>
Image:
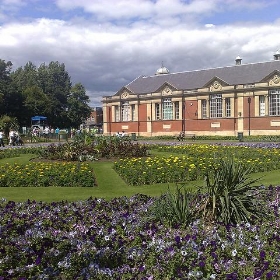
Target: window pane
<point>262,105</point>
<point>117,114</point>
<point>216,106</point>
<point>167,109</point>
<point>228,109</point>
<point>204,109</point>
<point>125,111</point>
<point>177,111</point>
<point>274,102</point>
<point>157,111</point>
<point>133,112</point>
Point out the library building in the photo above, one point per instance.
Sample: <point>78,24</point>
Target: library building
<point>232,100</point>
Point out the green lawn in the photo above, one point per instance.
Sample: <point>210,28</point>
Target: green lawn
<point>110,185</point>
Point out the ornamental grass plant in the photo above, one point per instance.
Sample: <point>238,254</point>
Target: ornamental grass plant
<point>232,196</point>
<point>176,208</point>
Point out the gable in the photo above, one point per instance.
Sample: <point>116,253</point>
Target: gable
<point>215,84</point>
<point>124,93</point>
<point>273,79</point>
<point>166,89</point>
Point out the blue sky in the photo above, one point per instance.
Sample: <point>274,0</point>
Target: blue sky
<point>105,44</point>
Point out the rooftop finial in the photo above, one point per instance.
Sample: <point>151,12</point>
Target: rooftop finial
<point>238,60</point>
<point>277,55</point>
<point>162,70</point>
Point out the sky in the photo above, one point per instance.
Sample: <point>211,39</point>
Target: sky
<point>106,44</point>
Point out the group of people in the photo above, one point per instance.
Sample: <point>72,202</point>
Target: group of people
<point>14,138</point>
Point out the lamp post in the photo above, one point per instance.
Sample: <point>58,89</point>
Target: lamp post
<point>249,119</point>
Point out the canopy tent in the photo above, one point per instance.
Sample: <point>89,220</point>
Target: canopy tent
<point>39,118</point>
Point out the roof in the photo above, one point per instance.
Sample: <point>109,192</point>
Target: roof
<point>190,80</point>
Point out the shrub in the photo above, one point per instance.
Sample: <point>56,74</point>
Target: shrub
<point>231,195</point>
<point>176,209</point>
<point>98,147</point>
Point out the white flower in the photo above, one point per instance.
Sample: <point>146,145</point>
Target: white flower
<point>234,253</point>
<point>183,253</point>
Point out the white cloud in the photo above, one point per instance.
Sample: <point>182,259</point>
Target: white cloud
<point>104,56</point>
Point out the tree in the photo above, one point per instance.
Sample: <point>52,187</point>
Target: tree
<point>5,69</point>
<point>56,84</point>
<point>23,81</point>
<point>78,108</point>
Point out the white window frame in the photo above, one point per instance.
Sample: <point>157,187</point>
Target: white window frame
<point>274,102</point>
<point>125,108</point>
<point>177,110</point>
<point>227,107</point>
<point>167,109</point>
<point>204,109</point>
<point>262,105</point>
<point>117,113</point>
<point>216,105</point>
<point>133,112</point>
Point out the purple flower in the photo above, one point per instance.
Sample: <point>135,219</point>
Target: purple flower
<point>201,264</point>
<point>38,261</point>
<point>262,254</point>
<point>177,239</point>
<point>269,275</point>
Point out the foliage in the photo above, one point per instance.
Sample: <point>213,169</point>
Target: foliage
<point>78,109</point>
<point>8,123</point>
<point>98,239</point>
<point>177,208</point>
<point>46,174</point>
<point>231,194</point>
<point>47,90</point>
<point>91,147</point>
<point>17,151</point>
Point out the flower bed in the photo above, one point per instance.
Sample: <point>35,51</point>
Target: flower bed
<point>119,239</point>
<point>191,166</point>
<point>45,174</point>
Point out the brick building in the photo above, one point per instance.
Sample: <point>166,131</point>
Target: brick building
<point>95,120</point>
<point>243,98</point>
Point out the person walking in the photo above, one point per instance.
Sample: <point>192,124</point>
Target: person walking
<point>1,138</point>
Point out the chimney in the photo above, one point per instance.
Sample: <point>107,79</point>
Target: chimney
<point>277,55</point>
<point>238,60</point>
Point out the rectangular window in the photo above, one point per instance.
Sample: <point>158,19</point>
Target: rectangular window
<point>167,109</point>
<point>177,110</point>
<point>262,105</point>
<point>157,111</point>
<point>216,110</point>
<point>125,111</point>
<point>133,112</point>
<point>204,108</point>
<point>274,102</point>
<point>117,113</point>
<point>228,109</point>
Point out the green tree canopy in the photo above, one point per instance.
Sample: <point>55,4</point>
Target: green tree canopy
<point>78,108</point>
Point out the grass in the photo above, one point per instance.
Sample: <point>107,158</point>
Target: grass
<point>110,185</point>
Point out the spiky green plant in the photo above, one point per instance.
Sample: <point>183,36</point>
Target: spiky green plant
<point>231,193</point>
<point>176,208</point>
